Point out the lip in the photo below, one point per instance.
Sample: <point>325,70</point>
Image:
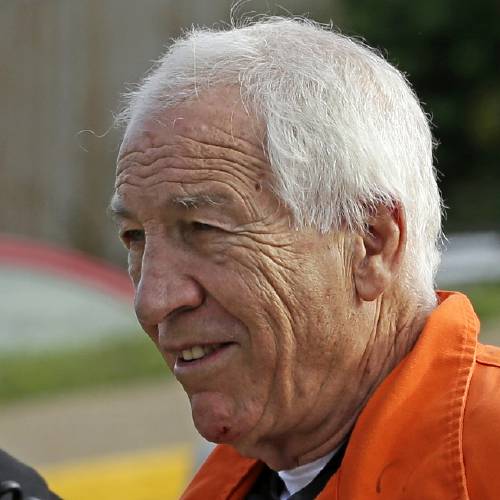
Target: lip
<point>176,348</point>
<point>207,363</point>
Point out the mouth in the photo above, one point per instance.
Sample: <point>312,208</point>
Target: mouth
<point>199,352</point>
<point>198,355</point>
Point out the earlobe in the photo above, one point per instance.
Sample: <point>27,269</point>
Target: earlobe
<point>378,253</point>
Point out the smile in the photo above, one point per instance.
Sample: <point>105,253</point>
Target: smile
<point>198,352</point>
<point>202,357</point>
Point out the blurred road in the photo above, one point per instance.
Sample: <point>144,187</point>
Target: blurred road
<point>128,443</point>
<point>85,425</point>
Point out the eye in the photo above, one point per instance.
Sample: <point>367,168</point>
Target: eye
<point>132,236</point>
<point>201,226</point>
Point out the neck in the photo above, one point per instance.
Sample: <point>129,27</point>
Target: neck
<point>394,332</point>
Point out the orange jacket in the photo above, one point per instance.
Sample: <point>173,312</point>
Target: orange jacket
<point>431,430</point>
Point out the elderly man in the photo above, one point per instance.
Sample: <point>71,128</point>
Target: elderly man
<point>276,194</point>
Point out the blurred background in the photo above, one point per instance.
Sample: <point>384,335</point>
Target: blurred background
<point>83,395</point>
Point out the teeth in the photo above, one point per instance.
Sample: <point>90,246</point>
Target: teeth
<point>197,352</point>
<point>187,355</point>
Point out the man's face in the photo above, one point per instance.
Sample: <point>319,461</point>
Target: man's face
<point>254,318</point>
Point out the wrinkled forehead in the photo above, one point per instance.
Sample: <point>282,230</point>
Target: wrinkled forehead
<point>210,146</point>
<point>217,116</point>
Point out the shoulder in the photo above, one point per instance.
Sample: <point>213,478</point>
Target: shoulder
<point>481,428</point>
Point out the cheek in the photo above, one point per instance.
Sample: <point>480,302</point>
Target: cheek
<point>257,291</point>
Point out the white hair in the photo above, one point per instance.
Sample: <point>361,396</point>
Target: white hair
<point>344,130</point>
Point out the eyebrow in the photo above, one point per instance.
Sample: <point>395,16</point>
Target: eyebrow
<point>198,200</point>
<point>187,202</point>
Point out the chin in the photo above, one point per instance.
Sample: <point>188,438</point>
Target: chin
<point>217,419</point>
<point>219,432</point>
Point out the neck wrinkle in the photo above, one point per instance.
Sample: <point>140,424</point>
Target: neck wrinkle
<point>400,322</point>
<point>395,332</point>
<point>401,327</point>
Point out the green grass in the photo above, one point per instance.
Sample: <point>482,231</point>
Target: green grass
<point>111,362</point>
<point>485,298</point>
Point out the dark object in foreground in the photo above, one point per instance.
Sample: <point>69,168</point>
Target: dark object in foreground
<point>18,481</point>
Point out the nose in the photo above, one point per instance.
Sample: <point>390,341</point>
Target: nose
<point>165,285</point>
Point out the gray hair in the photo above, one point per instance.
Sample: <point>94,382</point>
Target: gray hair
<point>344,130</point>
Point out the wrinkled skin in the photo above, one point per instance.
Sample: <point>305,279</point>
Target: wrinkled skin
<point>306,350</point>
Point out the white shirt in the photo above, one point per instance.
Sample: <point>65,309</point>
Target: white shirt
<point>301,476</point>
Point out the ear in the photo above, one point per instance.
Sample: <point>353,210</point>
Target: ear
<point>379,252</point>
